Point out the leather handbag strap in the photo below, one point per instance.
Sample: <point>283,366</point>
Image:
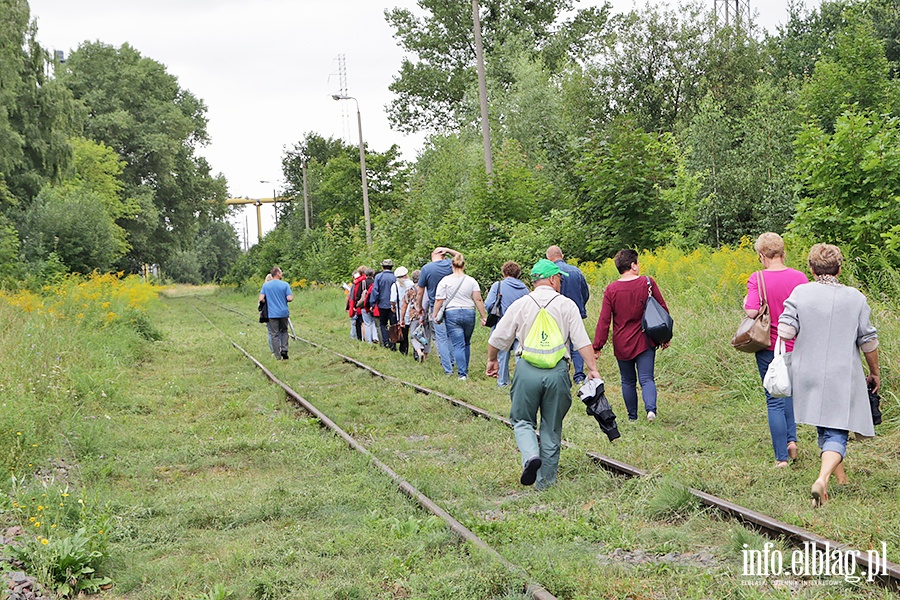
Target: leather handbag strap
<point>761,288</point>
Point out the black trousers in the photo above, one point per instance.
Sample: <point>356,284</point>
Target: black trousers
<point>385,319</point>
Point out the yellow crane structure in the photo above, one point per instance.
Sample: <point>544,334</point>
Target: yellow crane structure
<point>257,202</point>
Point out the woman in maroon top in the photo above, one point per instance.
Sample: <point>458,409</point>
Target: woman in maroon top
<point>623,307</point>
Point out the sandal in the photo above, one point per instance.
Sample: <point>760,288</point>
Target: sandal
<point>819,495</point>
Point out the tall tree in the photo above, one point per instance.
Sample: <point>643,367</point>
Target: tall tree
<point>334,180</point>
<point>436,87</point>
<point>37,115</point>
<point>138,109</point>
<point>625,169</point>
<point>650,68</point>
<point>851,182</point>
<point>746,159</point>
<point>855,71</point>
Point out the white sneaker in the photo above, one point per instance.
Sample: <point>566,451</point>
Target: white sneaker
<point>651,415</point>
<point>462,377</point>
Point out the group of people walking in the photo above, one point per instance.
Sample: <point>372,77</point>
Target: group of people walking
<point>440,305</point>
<point>823,324</point>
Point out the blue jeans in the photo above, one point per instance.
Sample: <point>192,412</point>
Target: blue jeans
<point>643,364</point>
<point>782,427</point>
<point>834,440</point>
<point>354,327</point>
<point>385,320</point>
<point>445,350</point>
<point>578,363</point>
<point>460,325</point>
<point>503,358</point>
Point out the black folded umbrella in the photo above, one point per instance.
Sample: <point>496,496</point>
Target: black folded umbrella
<point>592,393</point>
<point>875,405</point>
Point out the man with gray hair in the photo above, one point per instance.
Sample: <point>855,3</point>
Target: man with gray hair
<point>429,277</point>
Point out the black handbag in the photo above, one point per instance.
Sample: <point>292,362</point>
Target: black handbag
<point>494,315</point>
<point>657,323</point>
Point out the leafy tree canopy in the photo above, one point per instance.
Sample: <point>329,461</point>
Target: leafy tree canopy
<point>432,86</point>
<point>37,115</point>
<point>138,109</point>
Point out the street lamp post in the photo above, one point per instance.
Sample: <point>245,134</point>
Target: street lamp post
<point>362,166</point>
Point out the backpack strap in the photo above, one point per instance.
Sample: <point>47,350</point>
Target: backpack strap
<point>548,302</point>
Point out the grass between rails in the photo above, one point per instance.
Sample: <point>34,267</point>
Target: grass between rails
<point>562,536</point>
<point>211,483</point>
<point>215,480</point>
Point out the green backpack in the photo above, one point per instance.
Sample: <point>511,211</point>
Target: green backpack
<point>544,345</point>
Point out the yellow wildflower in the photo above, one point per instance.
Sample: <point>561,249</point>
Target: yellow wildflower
<point>45,541</point>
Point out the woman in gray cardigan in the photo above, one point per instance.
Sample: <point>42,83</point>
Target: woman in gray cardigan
<point>830,322</point>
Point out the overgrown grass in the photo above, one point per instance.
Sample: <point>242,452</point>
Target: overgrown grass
<point>215,487</point>
<point>65,351</point>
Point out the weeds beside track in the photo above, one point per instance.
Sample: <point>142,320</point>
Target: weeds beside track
<point>747,515</point>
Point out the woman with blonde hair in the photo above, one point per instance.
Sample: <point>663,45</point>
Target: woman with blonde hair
<point>773,285</point>
<point>459,295</point>
<point>830,324</point>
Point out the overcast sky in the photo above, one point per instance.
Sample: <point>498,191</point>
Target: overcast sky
<point>266,69</point>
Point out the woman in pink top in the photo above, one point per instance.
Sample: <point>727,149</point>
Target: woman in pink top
<point>779,281</point>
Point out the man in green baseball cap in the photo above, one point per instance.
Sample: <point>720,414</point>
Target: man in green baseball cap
<point>545,269</point>
<point>536,388</point>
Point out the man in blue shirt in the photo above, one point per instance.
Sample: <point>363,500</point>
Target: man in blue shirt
<point>575,287</point>
<point>276,294</point>
<point>431,274</point>
<point>381,297</point>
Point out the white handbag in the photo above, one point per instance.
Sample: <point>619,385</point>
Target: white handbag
<point>778,376</point>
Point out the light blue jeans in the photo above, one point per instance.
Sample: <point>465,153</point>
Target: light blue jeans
<point>782,426</point>
<point>834,440</point>
<point>642,363</point>
<point>353,320</point>
<point>445,350</point>
<point>503,358</point>
<point>460,325</point>
<point>370,330</point>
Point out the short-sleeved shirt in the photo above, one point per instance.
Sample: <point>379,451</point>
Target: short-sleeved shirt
<point>779,285</point>
<point>462,299</point>
<point>520,316</point>
<point>431,276</point>
<point>276,293</point>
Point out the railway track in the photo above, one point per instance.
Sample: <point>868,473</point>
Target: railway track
<point>532,589</point>
<point>887,573</point>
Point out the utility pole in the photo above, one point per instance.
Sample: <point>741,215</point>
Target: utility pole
<point>482,90</point>
<point>305,195</point>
